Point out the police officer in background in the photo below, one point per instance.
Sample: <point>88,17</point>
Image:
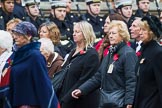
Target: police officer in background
<point>33,13</point>
<point>6,12</point>
<point>143,8</point>
<point>58,15</point>
<point>92,16</point>
<point>70,17</point>
<point>124,8</point>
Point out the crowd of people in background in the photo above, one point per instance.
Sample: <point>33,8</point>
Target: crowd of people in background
<point>110,61</point>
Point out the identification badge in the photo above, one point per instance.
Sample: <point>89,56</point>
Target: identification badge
<point>111,66</point>
<point>142,60</point>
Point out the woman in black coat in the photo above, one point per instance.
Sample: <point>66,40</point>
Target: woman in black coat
<point>116,75</point>
<point>149,66</point>
<point>82,63</point>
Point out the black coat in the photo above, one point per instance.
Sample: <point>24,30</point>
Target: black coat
<point>149,72</point>
<point>65,28</point>
<point>96,22</point>
<point>83,66</point>
<point>19,11</point>
<point>4,18</point>
<point>141,14</point>
<point>121,78</point>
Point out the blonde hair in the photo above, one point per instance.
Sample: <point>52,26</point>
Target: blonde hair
<point>13,21</point>
<point>88,33</point>
<point>122,29</point>
<point>54,32</point>
<point>144,25</point>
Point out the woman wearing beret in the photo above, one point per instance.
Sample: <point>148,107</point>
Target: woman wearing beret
<point>82,64</point>
<point>116,74</point>
<point>30,86</point>
<point>149,66</point>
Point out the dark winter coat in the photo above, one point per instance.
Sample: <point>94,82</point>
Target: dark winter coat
<point>30,84</point>
<point>122,77</point>
<point>82,67</point>
<point>96,22</point>
<point>149,81</point>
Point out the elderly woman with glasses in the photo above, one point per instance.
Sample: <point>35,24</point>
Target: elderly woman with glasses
<point>82,63</point>
<point>30,84</point>
<point>116,74</point>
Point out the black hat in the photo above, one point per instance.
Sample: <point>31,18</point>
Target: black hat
<point>154,24</point>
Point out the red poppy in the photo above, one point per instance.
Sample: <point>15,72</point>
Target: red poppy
<point>10,61</point>
<point>128,44</point>
<point>82,52</point>
<point>115,57</point>
<point>138,53</point>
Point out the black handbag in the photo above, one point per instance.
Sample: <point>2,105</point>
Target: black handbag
<point>113,99</point>
<point>58,79</point>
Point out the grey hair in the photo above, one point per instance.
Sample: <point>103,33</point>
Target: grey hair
<point>6,40</point>
<point>47,45</point>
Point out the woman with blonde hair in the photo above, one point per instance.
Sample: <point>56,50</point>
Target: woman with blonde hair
<point>81,64</point>
<point>11,24</point>
<point>116,75</point>
<point>149,66</point>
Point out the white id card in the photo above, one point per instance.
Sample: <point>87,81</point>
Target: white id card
<point>111,66</point>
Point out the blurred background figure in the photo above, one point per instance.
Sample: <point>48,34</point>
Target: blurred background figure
<point>54,60</point>
<point>58,16</point>
<point>19,10</point>
<point>51,31</point>
<point>124,7</point>
<point>149,69</point>
<point>29,72</point>
<point>82,63</point>
<point>102,46</point>
<point>6,12</point>
<point>70,17</point>
<point>11,24</point>
<point>143,8</point>
<point>6,57</point>
<point>116,74</point>
<point>92,16</point>
<point>33,13</point>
